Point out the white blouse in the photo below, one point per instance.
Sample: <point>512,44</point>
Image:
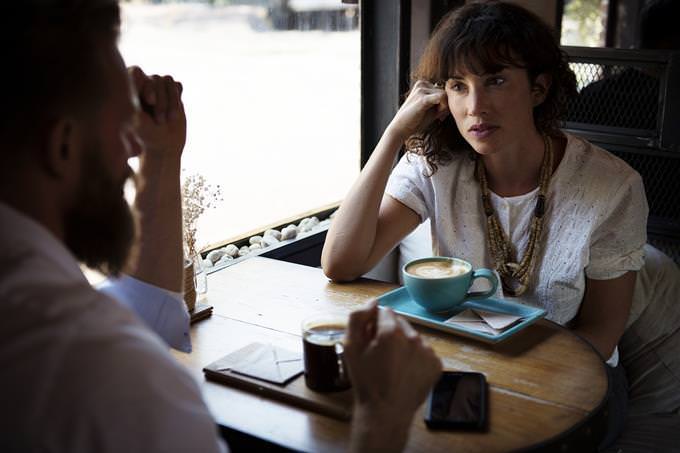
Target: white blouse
<point>595,223</point>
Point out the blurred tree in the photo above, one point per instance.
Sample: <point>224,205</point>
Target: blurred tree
<point>586,20</point>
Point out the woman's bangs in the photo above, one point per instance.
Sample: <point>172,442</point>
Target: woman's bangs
<point>482,56</point>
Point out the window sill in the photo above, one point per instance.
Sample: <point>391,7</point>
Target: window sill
<point>304,249</point>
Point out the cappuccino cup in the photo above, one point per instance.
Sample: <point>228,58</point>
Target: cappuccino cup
<point>440,283</point>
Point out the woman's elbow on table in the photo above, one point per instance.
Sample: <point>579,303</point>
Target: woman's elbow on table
<point>338,270</point>
<point>339,274</point>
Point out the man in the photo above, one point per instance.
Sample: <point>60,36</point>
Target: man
<point>80,372</point>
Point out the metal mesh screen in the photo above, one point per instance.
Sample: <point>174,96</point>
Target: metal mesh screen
<point>616,95</point>
<point>661,176</point>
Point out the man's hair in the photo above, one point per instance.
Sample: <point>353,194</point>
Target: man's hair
<point>485,37</point>
<point>53,65</point>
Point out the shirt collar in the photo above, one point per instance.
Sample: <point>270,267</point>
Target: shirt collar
<point>19,234</point>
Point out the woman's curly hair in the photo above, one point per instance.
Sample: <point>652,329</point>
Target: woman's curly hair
<point>484,37</point>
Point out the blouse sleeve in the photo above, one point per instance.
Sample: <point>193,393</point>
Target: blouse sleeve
<point>407,184</point>
<point>616,246</point>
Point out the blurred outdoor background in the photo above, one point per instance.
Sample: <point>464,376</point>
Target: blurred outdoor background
<point>272,95</point>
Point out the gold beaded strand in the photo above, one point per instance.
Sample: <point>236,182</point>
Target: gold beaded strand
<point>500,246</point>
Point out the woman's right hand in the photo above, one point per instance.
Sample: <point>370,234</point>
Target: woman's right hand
<point>424,104</point>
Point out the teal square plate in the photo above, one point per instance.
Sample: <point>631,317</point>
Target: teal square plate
<point>400,301</point>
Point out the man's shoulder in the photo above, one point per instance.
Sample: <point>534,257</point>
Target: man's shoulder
<point>82,369</point>
<point>72,333</point>
<point>120,359</point>
<point>130,393</point>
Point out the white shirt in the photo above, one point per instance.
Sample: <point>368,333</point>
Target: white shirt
<point>79,371</point>
<point>595,223</point>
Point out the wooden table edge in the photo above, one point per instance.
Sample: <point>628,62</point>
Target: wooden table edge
<point>592,415</point>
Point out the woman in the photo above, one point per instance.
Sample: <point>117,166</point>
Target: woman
<point>562,221</point>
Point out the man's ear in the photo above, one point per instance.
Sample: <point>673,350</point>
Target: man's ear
<point>61,151</point>
<point>540,89</point>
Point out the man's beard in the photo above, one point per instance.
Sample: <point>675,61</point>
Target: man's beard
<point>101,228</point>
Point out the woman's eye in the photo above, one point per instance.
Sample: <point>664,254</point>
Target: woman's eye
<point>455,86</point>
<point>496,81</point>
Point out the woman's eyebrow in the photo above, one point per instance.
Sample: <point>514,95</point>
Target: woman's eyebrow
<point>459,76</point>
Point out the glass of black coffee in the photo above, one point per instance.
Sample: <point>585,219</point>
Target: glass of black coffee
<point>322,338</point>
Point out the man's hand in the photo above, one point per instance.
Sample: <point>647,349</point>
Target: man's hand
<point>162,129</point>
<point>392,371</point>
<point>162,122</point>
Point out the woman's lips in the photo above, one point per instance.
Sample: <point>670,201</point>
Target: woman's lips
<point>482,130</point>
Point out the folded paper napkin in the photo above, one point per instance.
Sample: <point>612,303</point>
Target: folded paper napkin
<point>484,321</point>
<point>263,361</point>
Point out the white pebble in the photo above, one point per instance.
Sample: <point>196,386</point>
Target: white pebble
<point>290,232</point>
<point>314,221</point>
<point>305,225</point>
<point>243,251</point>
<point>255,247</point>
<point>231,250</point>
<point>225,259</point>
<point>273,233</point>
<point>207,264</point>
<point>268,241</point>
<point>255,240</point>
<point>215,255</point>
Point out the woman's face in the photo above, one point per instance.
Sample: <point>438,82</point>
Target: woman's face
<point>493,111</point>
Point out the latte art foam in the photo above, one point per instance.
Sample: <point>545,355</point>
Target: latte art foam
<point>436,269</point>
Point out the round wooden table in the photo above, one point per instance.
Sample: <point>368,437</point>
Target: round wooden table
<point>547,387</point>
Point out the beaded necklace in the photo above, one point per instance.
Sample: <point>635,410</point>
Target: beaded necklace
<point>514,275</point>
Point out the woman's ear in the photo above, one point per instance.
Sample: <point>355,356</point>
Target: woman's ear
<point>540,89</point>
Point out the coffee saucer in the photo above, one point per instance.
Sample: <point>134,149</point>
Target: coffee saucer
<point>400,301</point>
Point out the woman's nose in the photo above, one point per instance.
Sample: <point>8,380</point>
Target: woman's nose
<point>476,102</point>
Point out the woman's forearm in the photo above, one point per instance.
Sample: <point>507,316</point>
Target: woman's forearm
<point>361,233</point>
<point>352,234</point>
<point>604,344</point>
<point>605,309</point>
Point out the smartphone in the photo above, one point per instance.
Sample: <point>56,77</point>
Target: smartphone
<point>458,401</point>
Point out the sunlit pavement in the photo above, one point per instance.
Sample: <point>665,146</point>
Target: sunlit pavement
<point>273,116</point>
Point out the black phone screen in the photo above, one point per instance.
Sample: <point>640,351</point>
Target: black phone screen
<point>458,400</point>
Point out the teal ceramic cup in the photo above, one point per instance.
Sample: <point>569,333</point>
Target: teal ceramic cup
<point>441,283</point>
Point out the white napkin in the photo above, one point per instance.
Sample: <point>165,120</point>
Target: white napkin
<point>263,361</point>
<point>484,321</point>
